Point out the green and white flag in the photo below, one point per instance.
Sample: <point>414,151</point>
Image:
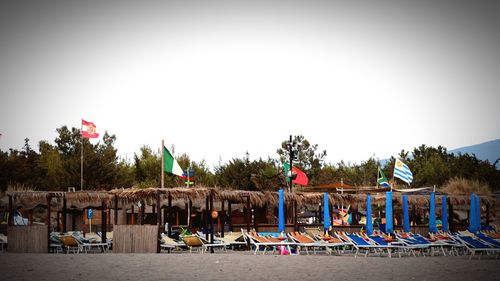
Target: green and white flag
<point>381,179</point>
<point>170,164</point>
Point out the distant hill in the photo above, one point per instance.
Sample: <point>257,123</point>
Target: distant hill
<point>484,151</point>
<point>489,150</point>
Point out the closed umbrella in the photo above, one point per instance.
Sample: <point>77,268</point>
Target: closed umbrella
<point>369,224</point>
<point>281,211</point>
<point>326,212</point>
<point>388,212</point>
<point>444,214</point>
<point>406,216</point>
<point>432,213</point>
<point>472,215</point>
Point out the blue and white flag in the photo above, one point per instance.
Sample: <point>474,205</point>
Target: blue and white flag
<point>402,171</point>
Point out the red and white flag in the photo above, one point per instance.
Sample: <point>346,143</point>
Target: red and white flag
<point>89,130</point>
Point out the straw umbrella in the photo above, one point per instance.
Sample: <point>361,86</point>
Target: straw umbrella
<point>406,217</point>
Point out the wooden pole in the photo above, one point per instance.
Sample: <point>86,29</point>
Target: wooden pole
<point>248,213</point>
<point>295,216</point>
<point>190,208</point>
<point>49,198</point>
<point>212,240</point>
<point>187,211</point>
<point>230,215</point>
<point>30,218</point>
<point>162,164</point>
<point>116,210</point>
<point>58,220</point>
<point>170,213</point>
<point>158,221</point>
<point>11,212</point>
<point>141,211</point>
<point>73,220</point>
<point>207,215</point>
<point>222,220</point>
<point>132,218</point>
<point>64,215</point>
<point>104,225</point>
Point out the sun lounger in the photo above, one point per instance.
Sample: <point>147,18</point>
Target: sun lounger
<point>475,245</point>
<point>304,241</point>
<point>361,243</point>
<point>3,241</point>
<point>485,238</point>
<point>259,242</point>
<point>170,244</point>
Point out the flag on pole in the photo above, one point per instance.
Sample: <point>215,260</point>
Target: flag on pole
<point>170,164</point>
<point>89,130</point>
<point>300,178</point>
<point>402,171</point>
<point>381,179</point>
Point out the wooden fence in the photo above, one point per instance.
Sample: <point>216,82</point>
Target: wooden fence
<point>135,239</point>
<point>28,239</point>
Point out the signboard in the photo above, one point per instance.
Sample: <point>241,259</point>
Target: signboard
<point>90,213</point>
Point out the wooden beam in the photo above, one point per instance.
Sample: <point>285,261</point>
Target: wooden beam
<point>207,216</point>
<point>132,218</point>
<point>104,226</point>
<point>116,210</point>
<point>11,212</point>
<point>158,221</point>
<point>212,240</point>
<point>64,215</point>
<point>141,213</point>
<point>249,218</point>
<point>222,220</point>
<point>49,198</point>
<point>295,216</point>
<point>230,215</point>
<point>170,215</point>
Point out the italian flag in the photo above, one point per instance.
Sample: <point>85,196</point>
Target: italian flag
<point>170,164</point>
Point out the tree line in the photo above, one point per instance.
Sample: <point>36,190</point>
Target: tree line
<point>56,166</point>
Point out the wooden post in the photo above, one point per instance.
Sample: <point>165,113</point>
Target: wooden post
<point>249,218</point>
<point>187,211</point>
<point>30,218</point>
<point>104,226</point>
<point>319,214</point>
<point>295,220</point>
<point>170,213</point>
<point>11,212</point>
<point>154,209</point>
<point>116,210</point>
<point>141,213</point>
<point>158,221</point>
<point>164,217</point>
<point>222,220</point>
<point>207,216</point>
<point>190,208</point>
<point>230,216</point>
<point>49,198</point>
<point>132,217</point>
<point>211,221</point>
<point>73,221</point>
<point>64,215</point>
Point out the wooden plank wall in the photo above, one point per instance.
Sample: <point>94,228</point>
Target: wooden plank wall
<point>135,238</point>
<point>27,239</point>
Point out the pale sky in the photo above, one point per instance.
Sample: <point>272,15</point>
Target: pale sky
<point>219,78</point>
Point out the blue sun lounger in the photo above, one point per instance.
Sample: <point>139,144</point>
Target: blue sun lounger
<point>475,245</point>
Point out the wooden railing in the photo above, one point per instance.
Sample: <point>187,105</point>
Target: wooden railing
<point>28,239</point>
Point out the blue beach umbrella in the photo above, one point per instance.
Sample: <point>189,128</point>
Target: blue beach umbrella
<point>326,212</point>
<point>478,213</point>
<point>281,211</point>
<point>406,216</point>
<point>472,214</point>
<point>444,214</point>
<point>388,212</point>
<point>369,224</point>
<point>432,213</point>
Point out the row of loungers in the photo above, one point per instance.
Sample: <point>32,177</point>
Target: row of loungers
<point>75,242</point>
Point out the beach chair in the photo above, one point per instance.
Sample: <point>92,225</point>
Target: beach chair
<point>408,239</point>
<point>193,242</point>
<point>233,239</point>
<point>217,244</point>
<point>169,244</point>
<point>90,245</point>
<point>70,244</point>
<point>488,240</point>
<point>3,241</point>
<point>262,242</point>
<point>391,244</point>
<point>475,245</point>
<point>361,243</point>
<point>304,241</point>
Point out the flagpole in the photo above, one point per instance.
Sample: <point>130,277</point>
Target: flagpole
<point>376,181</point>
<point>162,163</point>
<point>81,156</point>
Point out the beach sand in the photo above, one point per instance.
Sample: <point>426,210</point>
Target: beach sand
<point>241,266</point>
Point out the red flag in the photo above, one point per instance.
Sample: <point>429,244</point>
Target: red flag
<point>301,177</point>
<point>88,130</point>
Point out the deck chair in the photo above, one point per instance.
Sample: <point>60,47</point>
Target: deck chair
<point>233,239</point>
<point>216,243</point>
<point>360,243</point>
<point>169,244</point>
<point>70,244</point>
<point>87,245</point>
<point>395,245</point>
<point>475,245</point>
<point>3,241</point>
<point>259,242</point>
<point>488,240</point>
<point>304,241</point>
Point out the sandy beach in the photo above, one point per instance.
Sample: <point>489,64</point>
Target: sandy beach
<point>240,266</point>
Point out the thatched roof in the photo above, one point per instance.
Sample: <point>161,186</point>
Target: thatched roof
<point>181,196</point>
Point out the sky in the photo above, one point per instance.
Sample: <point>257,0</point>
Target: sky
<point>217,79</point>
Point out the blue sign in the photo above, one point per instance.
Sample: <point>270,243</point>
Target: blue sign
<point>90,213</point>
<point>188,173</point>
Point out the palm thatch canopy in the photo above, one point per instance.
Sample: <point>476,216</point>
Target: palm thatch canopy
<point>197,196</point>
